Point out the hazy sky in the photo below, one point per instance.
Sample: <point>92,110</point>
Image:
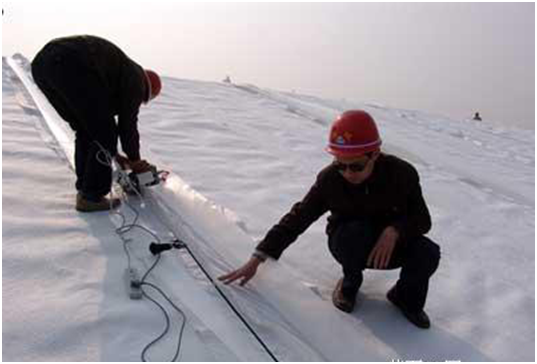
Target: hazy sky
<point>447,58</point>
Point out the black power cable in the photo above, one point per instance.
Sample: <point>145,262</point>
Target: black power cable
<point>166,316</point>
<point>156,249</point>
<point>123,229</point>
<point>180,244</point>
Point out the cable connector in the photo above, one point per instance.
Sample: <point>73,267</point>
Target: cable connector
<point>178,244</point>
<point>156,249</point>
<point>134,284</point>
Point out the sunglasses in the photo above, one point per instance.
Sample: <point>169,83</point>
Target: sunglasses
<point>354,167</point>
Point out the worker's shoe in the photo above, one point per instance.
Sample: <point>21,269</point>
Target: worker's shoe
<point>418,318</point>
<point>343,302</point>
<point>84,204</point>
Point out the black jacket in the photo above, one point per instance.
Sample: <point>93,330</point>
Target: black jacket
<point>391,196</point>
<point>123,82</point>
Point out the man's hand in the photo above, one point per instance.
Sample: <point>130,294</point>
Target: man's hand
<point>382,252</point>
<point>122,161</point>
<point>246,272</point>
<point>140,166</point>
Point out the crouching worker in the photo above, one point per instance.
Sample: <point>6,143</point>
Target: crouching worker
<point>90,81</point>
<point>378,220</point>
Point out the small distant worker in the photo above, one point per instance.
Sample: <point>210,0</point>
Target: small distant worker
<point>378,220</point>
<point>477,117</point>
<point>90,81</point>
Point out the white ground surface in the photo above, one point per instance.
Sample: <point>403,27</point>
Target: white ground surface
<point>240,156</point>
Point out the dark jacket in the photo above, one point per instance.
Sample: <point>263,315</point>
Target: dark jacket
<point>123,82</point>
<point>391,196</point>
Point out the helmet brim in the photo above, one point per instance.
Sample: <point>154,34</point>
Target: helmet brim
<point>351,152</point>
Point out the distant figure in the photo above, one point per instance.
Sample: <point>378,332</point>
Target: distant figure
<point>89,81</point>
<point>378,220</point>
<point>477,117</point>
<point>227,80</point>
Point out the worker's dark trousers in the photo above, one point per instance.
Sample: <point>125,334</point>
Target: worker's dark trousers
<point>77,93</point>
<point>352,242</point>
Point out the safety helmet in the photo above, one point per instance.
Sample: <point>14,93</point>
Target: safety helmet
<point>353,133</point>
<point>155,85</point>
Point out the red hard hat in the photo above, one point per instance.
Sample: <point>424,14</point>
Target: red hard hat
<point>155,85</point>
<point>353,133</point>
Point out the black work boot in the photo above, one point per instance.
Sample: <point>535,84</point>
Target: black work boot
<point>418,318</point>
<point>84,204</point>
<point>343,302</point>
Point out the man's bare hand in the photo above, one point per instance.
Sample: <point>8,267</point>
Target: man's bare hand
<point>122,161</point>
<point>245,273</point>
<point>140,166</point>
<point>382,252</point>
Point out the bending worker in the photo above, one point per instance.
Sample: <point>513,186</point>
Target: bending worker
<point>90,81</point>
